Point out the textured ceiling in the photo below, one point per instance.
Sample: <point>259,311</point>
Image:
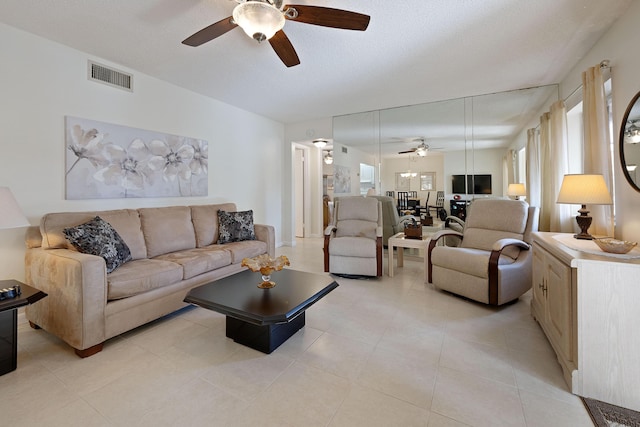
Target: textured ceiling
<point>414,51</point>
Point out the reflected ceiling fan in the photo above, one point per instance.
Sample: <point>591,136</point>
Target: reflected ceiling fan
<point>421,150</point>
<point>264,19</point>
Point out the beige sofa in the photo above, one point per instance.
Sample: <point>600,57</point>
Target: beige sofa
<point>173,249</point>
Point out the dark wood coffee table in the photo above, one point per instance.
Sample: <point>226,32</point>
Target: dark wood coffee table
<point>263,318</point>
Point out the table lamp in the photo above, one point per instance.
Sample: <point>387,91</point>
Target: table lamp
<point>516,190</point>
<point>11,215</point>
<point>582,189</point>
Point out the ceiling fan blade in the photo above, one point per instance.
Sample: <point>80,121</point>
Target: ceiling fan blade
<point>211,32</point>
<point>408,151</point>
<point>283,47</point>
<point>328,17</point>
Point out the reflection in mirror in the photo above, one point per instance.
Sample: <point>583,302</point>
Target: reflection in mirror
<point>630,142</point>
<point>465,136</point>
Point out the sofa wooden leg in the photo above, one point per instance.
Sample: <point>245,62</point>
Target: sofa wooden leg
<point>33,325</point>
<point>89,351</point>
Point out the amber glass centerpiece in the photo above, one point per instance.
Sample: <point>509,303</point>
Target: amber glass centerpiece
<point>266,266</point>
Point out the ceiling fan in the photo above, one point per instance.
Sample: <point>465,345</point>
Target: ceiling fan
<point>421,150</point>
<point>264,19</point>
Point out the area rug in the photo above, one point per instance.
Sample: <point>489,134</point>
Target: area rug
<point>607,415</point>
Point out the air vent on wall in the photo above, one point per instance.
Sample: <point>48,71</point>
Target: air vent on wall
<point>102,74</point>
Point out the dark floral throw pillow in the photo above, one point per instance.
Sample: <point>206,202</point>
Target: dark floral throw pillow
<point>235,226</point>
<point>98,237</point>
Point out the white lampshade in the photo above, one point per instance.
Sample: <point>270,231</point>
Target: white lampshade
<point>516,190</point>
<point>259,20</point>
<point>578,189</point>
<point>11,215</point>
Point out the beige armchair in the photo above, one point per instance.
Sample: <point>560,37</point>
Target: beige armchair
<point>353,241</point>
<point>392,223</point>
<point>492,265</point>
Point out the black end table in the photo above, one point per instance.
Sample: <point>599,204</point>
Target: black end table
<point>9,322</point>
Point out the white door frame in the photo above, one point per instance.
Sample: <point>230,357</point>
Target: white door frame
<point>306,188</point>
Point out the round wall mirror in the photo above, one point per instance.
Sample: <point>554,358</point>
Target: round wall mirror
<point>630,143</point>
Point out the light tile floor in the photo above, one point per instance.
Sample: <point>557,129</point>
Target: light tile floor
<point>375,352</point>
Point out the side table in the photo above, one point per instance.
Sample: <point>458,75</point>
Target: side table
<point>9,322</point>
<point>400,241</point>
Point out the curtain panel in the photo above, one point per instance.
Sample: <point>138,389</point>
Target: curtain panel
<point>533,178</point>
<point>597,145</point>
<point>561,218</point>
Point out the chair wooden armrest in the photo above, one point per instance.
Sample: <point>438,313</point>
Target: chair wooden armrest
<point>496,251</point>
<point>432,244</point>
<point>503,243</point>
<point>330,229</point>
<point>453,219</point>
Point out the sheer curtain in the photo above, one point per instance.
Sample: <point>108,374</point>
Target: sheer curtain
<point>508,170</point>
<point>561,218</point>
<point>597,150</point>
<point>547,197</point>
<point>533,179</point>
<point>554,159</point>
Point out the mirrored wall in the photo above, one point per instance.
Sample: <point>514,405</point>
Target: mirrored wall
<point>440,140</point>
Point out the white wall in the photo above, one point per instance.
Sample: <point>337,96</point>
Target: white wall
<point>618,45</point>
<point>42,81</point>
<point>429,163</point>
<point>477,162</point>
<point>299,133</point>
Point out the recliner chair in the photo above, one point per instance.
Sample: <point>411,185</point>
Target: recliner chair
<point>392,223</point>
<point>492,265</point>
<point>353,242</point>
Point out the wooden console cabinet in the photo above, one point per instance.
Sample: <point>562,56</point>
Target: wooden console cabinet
<point>587,306</point>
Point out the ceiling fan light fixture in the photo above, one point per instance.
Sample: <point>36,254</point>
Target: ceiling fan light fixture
<point>422,149</point>
<point>320,143</point>
<point>258,20</point>
<point>328,159</point>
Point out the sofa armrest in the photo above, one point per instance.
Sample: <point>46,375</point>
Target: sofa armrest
<point>76,284</point>
<point>267,234</point>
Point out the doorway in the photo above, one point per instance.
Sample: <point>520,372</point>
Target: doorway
<point>298,191</point>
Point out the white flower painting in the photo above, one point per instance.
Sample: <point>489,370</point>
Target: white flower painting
<point>110,161</point>
<point>341,179</point>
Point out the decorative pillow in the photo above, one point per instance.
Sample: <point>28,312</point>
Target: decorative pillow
<point>235,226</point>
<point>98,237</point>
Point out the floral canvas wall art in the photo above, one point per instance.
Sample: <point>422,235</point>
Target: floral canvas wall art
<point>111,161</point>
<point>341,179</point>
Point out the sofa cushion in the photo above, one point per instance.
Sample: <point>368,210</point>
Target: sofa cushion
<point>125,221</point>
<point>199,260</point>
<point>205,222</point>
<point>142,275</point>
<point>245,249</point>
<point>167,229</point>
<point>235,226</point>
<point>98,237</point>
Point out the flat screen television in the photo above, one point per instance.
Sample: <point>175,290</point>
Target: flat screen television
<point>473,184</point>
